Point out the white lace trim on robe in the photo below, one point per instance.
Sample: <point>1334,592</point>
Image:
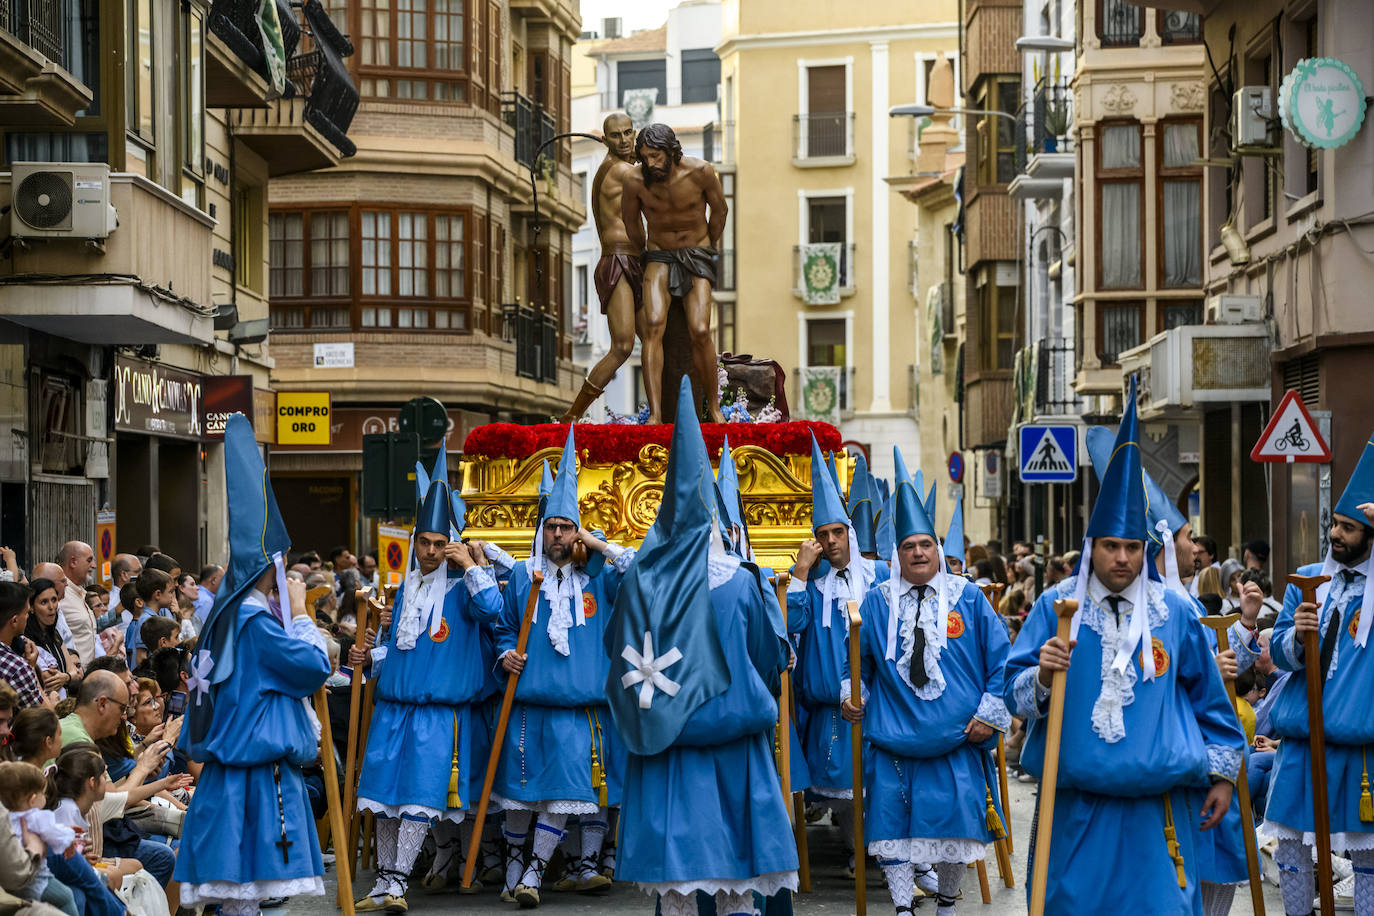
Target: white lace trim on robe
<point>1354,841</point>
<point>992,710</point>
<point>564,612</point>
<point>453,815</point>
<point>929,850</point>
<point>1118,687</point>
<point>764,885</point>
<point>1027,697</point>
<point>553,806</point>
<point>720,568</point>
<point>1223,761</point>
<point>212,892</point>
<point>929,620</point>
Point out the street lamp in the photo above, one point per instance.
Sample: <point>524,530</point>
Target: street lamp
<point>925,111</point>
<point>1051,43</point>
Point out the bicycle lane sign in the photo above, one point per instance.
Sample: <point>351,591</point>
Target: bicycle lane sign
<point>1291,435</point>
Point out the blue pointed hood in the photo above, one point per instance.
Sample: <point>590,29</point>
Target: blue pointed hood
<point>436,511</point>
<point>899,471</point>
<point>954,541</point>
<point>663,608</point>
<point>909,514</point>
<point>562,501</point>
<point>930,501</point>
<point>883,534</point>
<point>834,470</point>
<point>883,488</point>
<point>826,506</point>
<point>257,541</point>
<point>863,507</point>
<point>1100,442</point>
<point>727,479</point>
<point>1120,510</point>
<point>1360,488</point>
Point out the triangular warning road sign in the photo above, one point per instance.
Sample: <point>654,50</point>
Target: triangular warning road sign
<point>1048,457</point>
<point>1291,435</point>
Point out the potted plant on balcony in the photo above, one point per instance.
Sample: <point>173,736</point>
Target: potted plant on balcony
<point>1056,124</point>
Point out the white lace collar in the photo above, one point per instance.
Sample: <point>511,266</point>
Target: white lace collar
<point>565,602</point>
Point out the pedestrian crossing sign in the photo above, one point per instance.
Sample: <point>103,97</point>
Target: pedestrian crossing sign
<point>1049,454</point>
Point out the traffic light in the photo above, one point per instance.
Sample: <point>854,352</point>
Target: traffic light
<point>389,458</point>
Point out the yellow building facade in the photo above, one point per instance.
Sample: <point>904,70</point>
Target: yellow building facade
<point>805,122</point>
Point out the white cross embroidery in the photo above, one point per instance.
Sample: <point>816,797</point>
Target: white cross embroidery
<point>648,671</point>
<point>199,681</point>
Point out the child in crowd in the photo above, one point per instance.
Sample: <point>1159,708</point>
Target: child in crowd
<point>155,633</point>
<point>154,592</point>
<point>23,790</point>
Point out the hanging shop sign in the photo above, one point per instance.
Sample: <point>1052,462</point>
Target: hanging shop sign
<point>157,399</point>
<point>226,395</point>
<point>1322,102</point>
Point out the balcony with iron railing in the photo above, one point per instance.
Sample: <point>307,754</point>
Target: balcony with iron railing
<point>823,139</point>
<point>36,87</point>
<point>307,128</point>
<point>1120,23</point>
<point>1052,393</point>
<point>1044,142</point>
<point>535,336</point>
<point>846,266</point>
<point>533,126</point>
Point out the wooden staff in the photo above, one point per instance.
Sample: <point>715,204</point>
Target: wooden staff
<point>1321,815</point>
<point>1002,847</point>
<point>499,735</point>
<point>363,616</point>
<point>360,825</point>
<point>856,700</point>
<point>1002,783</point>
<point>1050,777</point>
<point>331,792</point>
<point>1222,625</point>
<point>784,703</point>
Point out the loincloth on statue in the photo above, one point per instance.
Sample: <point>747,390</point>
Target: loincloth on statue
<point>683,265</point>
<point>614,267</point>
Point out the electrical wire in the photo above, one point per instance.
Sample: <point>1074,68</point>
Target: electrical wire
<point>111,279</point>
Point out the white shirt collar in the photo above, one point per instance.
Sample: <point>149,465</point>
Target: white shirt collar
<point>1098,592</point>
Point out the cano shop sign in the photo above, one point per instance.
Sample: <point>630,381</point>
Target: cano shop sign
<point>157,399</point>
<point>224,396</point>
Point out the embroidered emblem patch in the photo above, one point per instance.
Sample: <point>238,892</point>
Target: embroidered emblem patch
<point>1354,622</point>
<point>588,605</point>
<point>1161,657</point>
<point>955,628</point>
<point>443,632</point>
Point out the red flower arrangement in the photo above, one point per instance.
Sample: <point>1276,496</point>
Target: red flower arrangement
<point>610,443</point>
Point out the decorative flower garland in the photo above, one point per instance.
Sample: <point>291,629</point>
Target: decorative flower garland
<point>609,443</point>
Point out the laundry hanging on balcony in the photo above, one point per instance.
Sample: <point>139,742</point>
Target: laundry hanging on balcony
<point>273,46</point>
<point>820,393</point>
<point>820,264</point>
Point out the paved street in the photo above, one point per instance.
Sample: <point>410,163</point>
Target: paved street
<point>831,894</point>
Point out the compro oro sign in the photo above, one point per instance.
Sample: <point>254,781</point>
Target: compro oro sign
<point>1321,102</point>
<point>303,417</point>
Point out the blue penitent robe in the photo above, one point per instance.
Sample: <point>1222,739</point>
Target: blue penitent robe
<point>263,732</point>
<point>424,711</point>
<point>560,718</point>
<point>1347,720</point>
<point>1128,745</point>
<point>707,813</point>
<point>928,787</point>
<point>821,651</point>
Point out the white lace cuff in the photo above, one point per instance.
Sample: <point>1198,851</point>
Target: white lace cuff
<point>304,628</point>
<point>844,690</point>
<point>1243,641</point>
<point>478,580</point>
<point>992,711</point>
<point>621,558</point>
<point>1223,761</point>
<point>378,656</point>
<point>1291,650</point>
<point>797,585</point>
<point>1026,690</point>
<point>499,558</point>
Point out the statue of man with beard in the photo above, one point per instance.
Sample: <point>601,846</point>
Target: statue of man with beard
<point>672,193</point>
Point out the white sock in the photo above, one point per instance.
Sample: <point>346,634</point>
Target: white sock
<point>1296,879</point>
<point>517,828</point>
<point>385,832</point>
<point>901,881</point>
<point>1216,898</point>
<point>674,903</point>
<point>732,904</point>
<point>594,827</point>
<point>548,833</point>
<point>448,846</point>
<point>239,908</point>
<point>409,840</point>
<point>951,875</point>
<point>1363,862</point>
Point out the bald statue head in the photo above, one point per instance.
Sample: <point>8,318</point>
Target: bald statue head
<point>55,573</point>
<point>619,133</point>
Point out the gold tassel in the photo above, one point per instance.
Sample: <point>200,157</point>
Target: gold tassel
<point>455,800</point>
<point>994,822</point>
<point>1366,800</point>
<point>1171,840</point>
<point>598,771</point>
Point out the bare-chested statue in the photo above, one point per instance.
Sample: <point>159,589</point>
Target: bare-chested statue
<point>619,275</point>
<point>672,192</point>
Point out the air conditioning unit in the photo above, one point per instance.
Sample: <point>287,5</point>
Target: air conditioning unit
<point>1234,309</point>
<point>61,200</point>
<point>1252,111</point>
<point>610,27</point>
